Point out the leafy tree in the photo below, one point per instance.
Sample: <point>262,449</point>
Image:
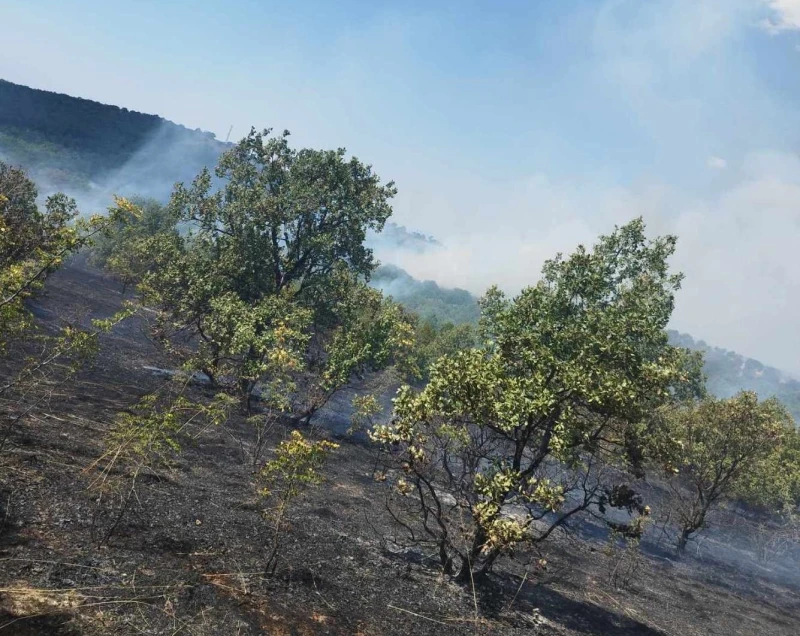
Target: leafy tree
<point>507,442</point>
<point>366,407</point>
<point>725,449</point>
<point>433,340</point>
<point>295,467</point>
<point>122,248</point>
<point>372,333</point>
<point>279,248</point>
<point>33,244</point>
<point>285,219</point>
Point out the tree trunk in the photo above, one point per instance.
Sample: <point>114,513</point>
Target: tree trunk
<point>686,533</point>
<point>246,388</point>
<point>472,567</point>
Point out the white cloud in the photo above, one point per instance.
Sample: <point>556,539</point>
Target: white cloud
<point>717,163</point>
<point>785,16</point>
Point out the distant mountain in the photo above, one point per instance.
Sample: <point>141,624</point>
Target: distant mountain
<point>426,297</point>
<point>85,148</point>
<point>729,372</point>
<point>397,237</point>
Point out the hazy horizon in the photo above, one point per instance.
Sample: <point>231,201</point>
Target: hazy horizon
<point>513,132</point>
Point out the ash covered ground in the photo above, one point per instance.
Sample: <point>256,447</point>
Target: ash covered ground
<point>187,558</point>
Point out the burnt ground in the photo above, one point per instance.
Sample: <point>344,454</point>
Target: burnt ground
<point>187,557</point>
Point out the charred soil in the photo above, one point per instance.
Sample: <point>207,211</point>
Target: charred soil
<point>187,557</point>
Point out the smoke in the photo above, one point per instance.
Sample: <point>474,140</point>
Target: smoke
<point>687,84</point>
<point>170,154</point>
<point>396,236</point>
<point>736,249</point>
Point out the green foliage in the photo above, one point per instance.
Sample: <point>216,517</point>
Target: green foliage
<point>727,449</point>
<point>372,334</point>
<point>146,438</point>
<point>148,435</point>
<point>434,340</point>
<point>274,265</point>
<point>567,371</point>
<point>365,409</point>
<point>296,467</point>
<point>773,483</point>
<point>285,219</point>
<point>33,244</point>
<point>245,343</point>
<point>123,247</point>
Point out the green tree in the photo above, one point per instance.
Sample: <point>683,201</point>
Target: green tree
<point>433,340</point>
<point>728,449</point>
<point>122,247</point>
<point>509,441</point>
<point>372,333</point>
<point>33,244</point>
<point>280,246</point>
<point>285,219</point>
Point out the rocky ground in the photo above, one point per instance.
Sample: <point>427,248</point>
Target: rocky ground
<point>187,558</point>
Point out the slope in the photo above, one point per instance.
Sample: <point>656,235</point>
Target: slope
<point>82,146</point>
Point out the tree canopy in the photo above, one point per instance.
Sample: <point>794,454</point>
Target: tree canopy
<point>277,255</point>
<point>33,243</point>
<point>285,218</point>
<point>724,449</point>
<point>567,371</point>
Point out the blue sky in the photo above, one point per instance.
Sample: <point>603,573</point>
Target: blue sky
<point>513,129</point>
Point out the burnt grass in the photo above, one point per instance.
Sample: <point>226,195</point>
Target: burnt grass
<point>188,555</point>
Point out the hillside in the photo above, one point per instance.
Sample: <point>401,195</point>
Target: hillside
<point>728,372</point>
<point>188,557</point>
<point>84,147</point>
<point>92,150</point>
<point>198,433</point>
<point>426,298</point>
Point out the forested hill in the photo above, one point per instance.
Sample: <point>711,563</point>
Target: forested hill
<point>729,372</point>
<point>426,298</point>
<point>80,146</point>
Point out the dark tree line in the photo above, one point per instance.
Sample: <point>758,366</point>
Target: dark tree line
<point>69,140</point>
